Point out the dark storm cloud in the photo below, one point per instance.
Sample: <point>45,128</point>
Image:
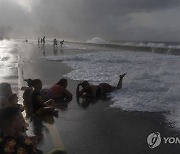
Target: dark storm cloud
<point>97,8</point>
<point>135,5</point>
<point>88,18</point>
<point>84,19</point>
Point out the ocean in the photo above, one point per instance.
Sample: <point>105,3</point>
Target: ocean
<point>152,83</point>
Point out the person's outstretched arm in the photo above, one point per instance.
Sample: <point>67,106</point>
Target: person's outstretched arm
<point>67,95</point>
<point>78,92</point>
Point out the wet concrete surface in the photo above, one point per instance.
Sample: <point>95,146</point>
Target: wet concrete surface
<point>91,126</point>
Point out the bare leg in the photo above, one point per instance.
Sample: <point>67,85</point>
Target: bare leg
<point>119,85</point>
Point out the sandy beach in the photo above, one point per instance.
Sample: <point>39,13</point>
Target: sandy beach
<point>93,127</point>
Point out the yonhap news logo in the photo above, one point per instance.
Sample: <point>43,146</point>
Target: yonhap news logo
<point>155,139</point>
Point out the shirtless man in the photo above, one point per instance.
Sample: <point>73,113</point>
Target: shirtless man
<point>97,90</point>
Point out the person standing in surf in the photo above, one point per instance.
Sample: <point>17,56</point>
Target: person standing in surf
<point>61,43</point>
<point>38,41</point>
<point>43,41</point>
<point>55,43</point>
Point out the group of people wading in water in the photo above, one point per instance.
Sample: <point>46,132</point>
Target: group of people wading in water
<point>42,41</point>
<point>43,101</point>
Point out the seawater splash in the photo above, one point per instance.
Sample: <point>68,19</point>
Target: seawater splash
<point>9,63</point>
<point>97,40</point>
<point>152,83</point>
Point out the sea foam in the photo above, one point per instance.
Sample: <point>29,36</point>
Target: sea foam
<point>96,40</point>
<point>152,83</point>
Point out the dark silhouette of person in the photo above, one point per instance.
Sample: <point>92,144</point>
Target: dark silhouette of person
<point>55,43</point>
<point>59,91</point>
<point>97,90</point>
<point>38,41</point>
<point>43,41</point>
<point>61,42</point>
<point>12,139</point>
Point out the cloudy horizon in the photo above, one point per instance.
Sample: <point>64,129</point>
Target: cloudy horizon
<point>140,20</point>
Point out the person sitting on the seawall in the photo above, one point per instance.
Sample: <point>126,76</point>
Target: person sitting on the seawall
<point>11,137</point>
<point>6,90</point>
<point>9,99</point>
<point>39,105</point>
<point>4,102</point>
<point>97,90</point>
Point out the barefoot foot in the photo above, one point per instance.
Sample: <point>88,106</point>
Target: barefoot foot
<point>121,76</point>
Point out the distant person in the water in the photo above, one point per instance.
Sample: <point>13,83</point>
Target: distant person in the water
<point>61,42</point>
<point>41,42</point>
<point>38,41</point>
<point>97,90</point>
<point>44,41</point>
<point>55,43</point>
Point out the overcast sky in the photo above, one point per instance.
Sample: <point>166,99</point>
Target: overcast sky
<point>153,20</point>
